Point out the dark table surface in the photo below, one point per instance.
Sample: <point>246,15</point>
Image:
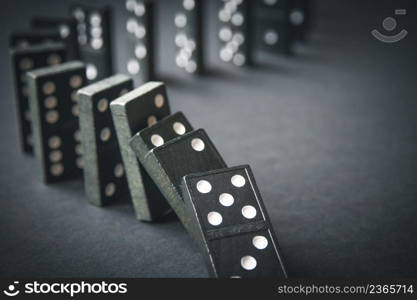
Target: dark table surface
<point>331,135</point>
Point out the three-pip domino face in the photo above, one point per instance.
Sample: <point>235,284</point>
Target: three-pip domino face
<point>189,37</point>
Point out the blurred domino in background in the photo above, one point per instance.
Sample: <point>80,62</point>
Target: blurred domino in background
<point>32,38</point>
<point>167,163</point>
<point>234,32</point>
<point>232,224</point>
<point>272,28</point>
<point>55,110</point>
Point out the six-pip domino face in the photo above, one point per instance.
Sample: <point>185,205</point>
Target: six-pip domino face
<point>94,39</point>
<point>140,36</point>
<point>235,32</point>
<point>54,109</point>
<point>25,59</point>
<point>233,227</point>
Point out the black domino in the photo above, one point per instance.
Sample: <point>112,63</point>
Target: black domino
<point>272,28</point>
<point>94,39</point>
<point>33,38</point>
<point>104,174</point>
<point>166,164</point>
<point>233,226</point>
<point>55,110</point>
<point>141,35</point>
<point>131,113</point>
<point>163,131</point>
<point>235,33</point>
<point>189,36</point>
<point>23,60</point>
<point>67,30</point>
<point>301,18</point>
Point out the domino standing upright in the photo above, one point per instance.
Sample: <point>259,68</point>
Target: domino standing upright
<point>33,38</point>
<point>165,130</point>
<point>131,113</point>
<point>233,226</point>
<point>235,32</point>
<point>141,35</point>
<point>25,59</point>
<point>55,110</point>
<point>189,36</point>
<point>273,30</point>
<point>104,175</point>
<point>67,30</point>
<point>167,163</point>
<point>301,18</point>
<point>94,38</point>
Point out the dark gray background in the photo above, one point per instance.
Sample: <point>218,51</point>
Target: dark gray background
<point>331,135</point>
